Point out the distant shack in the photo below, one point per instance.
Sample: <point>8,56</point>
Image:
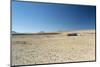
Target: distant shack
<point>72,34</point>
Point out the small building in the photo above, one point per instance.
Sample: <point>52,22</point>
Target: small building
<point>72,34</point>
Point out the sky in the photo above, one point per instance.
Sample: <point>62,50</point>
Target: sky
<point>35,17</point>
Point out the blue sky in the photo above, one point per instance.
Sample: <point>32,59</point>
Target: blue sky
<point>36,17</point>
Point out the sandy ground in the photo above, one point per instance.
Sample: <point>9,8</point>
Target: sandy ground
<point>42,49</point>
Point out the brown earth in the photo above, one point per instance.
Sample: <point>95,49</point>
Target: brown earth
<point>57,48</point>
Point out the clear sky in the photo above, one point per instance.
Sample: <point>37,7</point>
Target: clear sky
<point>36,17</point>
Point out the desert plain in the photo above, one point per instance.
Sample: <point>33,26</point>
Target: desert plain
<point>53,47</point>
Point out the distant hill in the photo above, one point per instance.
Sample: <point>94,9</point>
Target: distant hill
<point>13,32</point>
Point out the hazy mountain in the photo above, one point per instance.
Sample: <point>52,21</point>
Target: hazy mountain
<point>13,32</point>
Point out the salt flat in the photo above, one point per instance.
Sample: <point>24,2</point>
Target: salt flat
<point>57,48</point>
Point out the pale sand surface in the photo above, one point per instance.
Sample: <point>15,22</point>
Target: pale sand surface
<point>42,49</point>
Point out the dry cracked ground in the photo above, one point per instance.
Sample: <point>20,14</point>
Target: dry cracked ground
<point>58,48</point>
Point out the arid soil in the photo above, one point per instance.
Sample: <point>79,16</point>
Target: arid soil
<point>57,48</point>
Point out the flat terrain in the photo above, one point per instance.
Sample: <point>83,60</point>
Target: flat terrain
<point>53,48</point>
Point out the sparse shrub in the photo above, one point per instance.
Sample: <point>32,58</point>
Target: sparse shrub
<point>20,42</point>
